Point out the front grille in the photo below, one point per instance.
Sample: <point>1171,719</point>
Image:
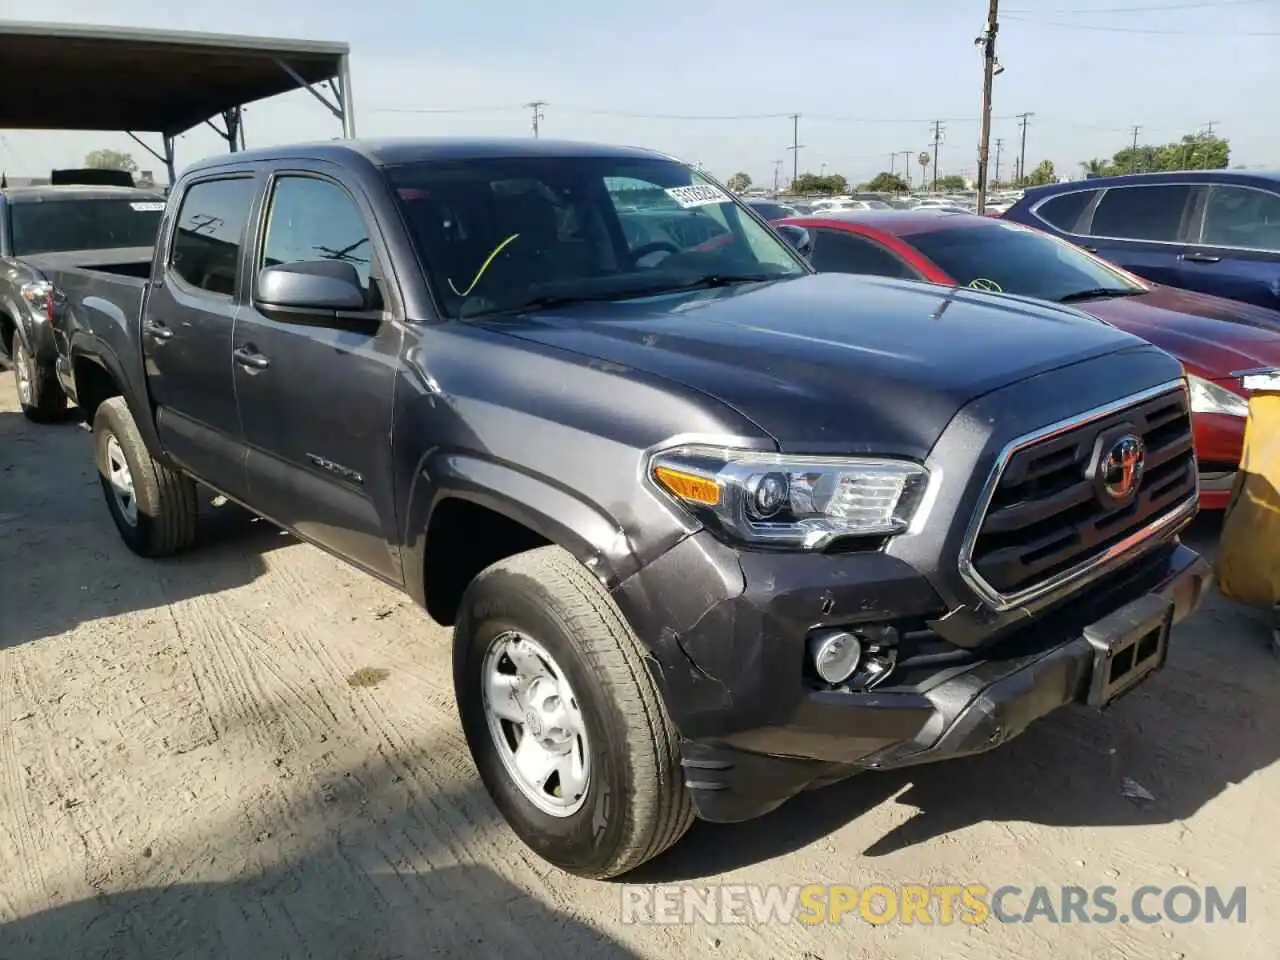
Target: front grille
<point>1047,515</point>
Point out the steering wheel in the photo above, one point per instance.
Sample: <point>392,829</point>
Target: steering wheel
<point>656,246</point>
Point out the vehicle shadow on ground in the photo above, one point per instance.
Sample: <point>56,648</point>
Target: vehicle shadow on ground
<point>1207,721</point>
<point>373,865</point>
<point>63,561</point>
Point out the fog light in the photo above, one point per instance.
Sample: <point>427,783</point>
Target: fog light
<point>835,654</point>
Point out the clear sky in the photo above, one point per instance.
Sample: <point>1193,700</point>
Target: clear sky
<point>867,77</point>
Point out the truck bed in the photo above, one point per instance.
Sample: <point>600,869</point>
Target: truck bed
<point>123,261</point>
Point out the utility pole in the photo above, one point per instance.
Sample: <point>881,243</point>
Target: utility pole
<point>906,165</point>
<point>1208,127</point>
<point>536,106</point>
<point>1133,157</point>
<point>988,42</point>
<point>999,150</point>
<point>1022,159</point>
<point>795,149</point>
<point>937,139</point>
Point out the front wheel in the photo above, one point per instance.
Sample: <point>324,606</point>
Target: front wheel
<point>565,724</point>
<point>39,394</point>
<point>154,507</point>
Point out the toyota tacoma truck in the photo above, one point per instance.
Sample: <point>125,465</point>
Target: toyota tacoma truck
<point>50,227</point>
<point>710,528</point>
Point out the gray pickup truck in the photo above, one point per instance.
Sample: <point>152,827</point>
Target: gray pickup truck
<point>710,528</point>
<point>52,227</point>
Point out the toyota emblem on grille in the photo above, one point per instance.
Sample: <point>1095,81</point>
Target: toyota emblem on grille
<point>1121,468</point>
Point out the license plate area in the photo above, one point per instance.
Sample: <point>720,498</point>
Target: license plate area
<point>1128,646</point>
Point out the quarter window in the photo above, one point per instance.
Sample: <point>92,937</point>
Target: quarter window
<point>1141,213</point>
<point>313,219</point>
<point>210,234</point>
<point>1064,211</point>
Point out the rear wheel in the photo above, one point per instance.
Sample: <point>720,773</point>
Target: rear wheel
<point>39,393</point>
<point>153,507</point>
<point>564,721</point>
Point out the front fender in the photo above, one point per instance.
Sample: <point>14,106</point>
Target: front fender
<point>554,513</point>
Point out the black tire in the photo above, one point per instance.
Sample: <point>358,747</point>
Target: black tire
<point>47,402</point>
<point>166,511</point>
<point>636,804</point>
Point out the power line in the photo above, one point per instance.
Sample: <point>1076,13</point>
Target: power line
<point>1202,4</point>
<point>1142,30</point>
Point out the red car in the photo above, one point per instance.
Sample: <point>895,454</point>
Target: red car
<point>1215,339</point>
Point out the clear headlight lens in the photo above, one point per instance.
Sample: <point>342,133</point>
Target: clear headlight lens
<point>801,502</point>
<point>1208,397</point>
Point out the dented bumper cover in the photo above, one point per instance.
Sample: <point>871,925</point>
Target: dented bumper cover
<point>726,633</point>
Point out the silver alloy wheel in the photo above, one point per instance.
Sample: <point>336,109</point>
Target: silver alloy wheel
<point>536,724</point>
<point>121,479</point>
<point>22,372</point>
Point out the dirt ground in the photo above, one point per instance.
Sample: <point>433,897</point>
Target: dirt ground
<point>252,751</point>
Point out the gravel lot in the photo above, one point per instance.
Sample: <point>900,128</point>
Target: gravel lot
<point>252,751</point>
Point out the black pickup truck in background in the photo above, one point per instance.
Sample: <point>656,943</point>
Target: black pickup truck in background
<point>710,528</point>
<point>51,227</point>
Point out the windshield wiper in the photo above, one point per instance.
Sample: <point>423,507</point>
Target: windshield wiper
<point>723,280</point>
<point>1097,293</point>
<point>547,300</point>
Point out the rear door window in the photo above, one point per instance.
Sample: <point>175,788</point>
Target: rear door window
<point>1064,211</point>
<point>1142,213</point>
<point>210,234</point>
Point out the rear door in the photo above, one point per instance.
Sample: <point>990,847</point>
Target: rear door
<point>316,391</point>
<point>1142,228</point>
<point>1236,248</point>
<point>187,327</point>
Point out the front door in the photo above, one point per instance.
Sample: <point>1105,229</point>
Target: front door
<point>187,328</point>
<point>1237,248</point>
<point>316,392</point>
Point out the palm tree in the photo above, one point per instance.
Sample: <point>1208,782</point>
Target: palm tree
<point>1095,167</point>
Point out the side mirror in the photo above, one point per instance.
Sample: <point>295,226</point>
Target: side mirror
<point>311,285</point>
<point>796,237</point>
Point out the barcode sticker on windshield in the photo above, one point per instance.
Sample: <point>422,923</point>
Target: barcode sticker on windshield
<point>147,206</point>
<point>699,195</point>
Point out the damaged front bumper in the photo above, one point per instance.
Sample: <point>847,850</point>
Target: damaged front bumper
<point>727,629</point>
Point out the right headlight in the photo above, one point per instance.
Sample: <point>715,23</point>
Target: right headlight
<point>804,503</point>
<point>1208,397</point>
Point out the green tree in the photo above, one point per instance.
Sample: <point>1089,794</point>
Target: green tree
<point>1096,167</point>
<point>1195,151</point>
<point>809,184</point>
<point>739,182</point>
<point>1041,175</point>
<point>886,183</point>
<point>111,160</point>
<point>951,183</point>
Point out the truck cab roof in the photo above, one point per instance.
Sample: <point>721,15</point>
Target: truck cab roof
<point>395,151</point>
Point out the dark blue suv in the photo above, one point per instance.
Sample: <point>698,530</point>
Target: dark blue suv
<point>1216,231</point>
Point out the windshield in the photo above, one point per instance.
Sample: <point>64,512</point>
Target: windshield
<point>54,226</point>
<point>773,211</point>
<point>502,234</point>
<point>1005,258</point>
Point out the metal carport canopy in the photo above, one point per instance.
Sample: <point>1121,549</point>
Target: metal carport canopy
<point>72,77</point>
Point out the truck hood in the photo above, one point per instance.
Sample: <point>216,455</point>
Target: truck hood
<point>1213,336</point>
<point>831,362</point>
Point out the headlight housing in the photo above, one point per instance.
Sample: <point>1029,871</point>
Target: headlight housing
<point>804,503</point>
<point>1209,397</point>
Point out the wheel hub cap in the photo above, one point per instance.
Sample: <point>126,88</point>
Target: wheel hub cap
<point>121,480</point>
<point>21,372</point>
<point>536,724</point>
